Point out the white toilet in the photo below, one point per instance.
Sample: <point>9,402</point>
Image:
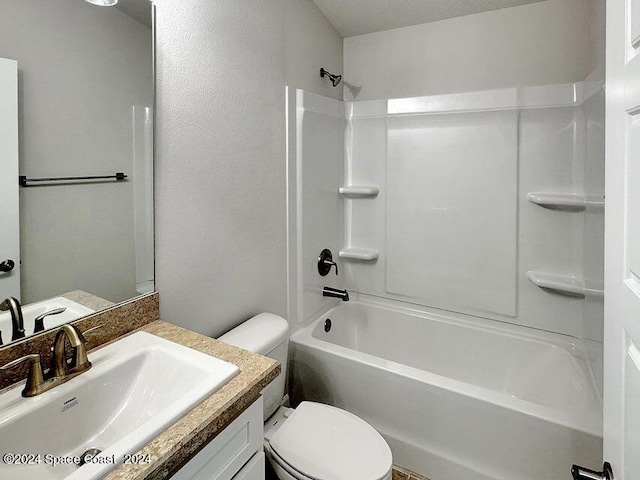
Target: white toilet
<point>314,441</point>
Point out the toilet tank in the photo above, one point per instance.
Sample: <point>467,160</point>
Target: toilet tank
<point>266,334</point>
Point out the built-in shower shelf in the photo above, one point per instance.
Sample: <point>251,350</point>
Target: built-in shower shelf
<point>564,201</point>
<point>357,253</point>
<point>360,190</point>
<point>570,286</point>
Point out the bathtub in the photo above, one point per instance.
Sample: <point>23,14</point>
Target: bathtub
<point>456,398</point>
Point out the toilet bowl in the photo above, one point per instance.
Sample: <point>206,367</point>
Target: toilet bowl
<point>313,441</point>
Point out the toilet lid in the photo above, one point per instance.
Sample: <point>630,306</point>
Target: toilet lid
<point>327,443</point>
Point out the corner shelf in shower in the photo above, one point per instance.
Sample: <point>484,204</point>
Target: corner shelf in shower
<point>360,190</point>
<point>358,253</point>
<point>569,286</point>
<point>567,201</point>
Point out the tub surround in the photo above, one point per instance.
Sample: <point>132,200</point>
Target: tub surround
<point>173,448</point>
<point>379,236</point>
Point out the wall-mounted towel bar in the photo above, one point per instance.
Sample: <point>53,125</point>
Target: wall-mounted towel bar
<point>24,181</point>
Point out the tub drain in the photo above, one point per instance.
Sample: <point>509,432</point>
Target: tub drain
<point>327,325</point>
<point>87,456</point>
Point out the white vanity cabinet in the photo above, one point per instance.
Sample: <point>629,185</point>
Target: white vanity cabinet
<point>235,454</point>
<point>253,470</point>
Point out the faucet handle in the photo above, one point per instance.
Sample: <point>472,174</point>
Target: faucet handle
<point>35,378</point>
<point>325,262</point>
<point>34,357</point>
<point>39,321</point>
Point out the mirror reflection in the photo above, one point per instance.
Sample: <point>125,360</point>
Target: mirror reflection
<point>76,159</point>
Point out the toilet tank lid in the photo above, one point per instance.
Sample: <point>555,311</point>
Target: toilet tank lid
<point>260,334</point>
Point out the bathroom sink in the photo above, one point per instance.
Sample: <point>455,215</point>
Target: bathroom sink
<point>31,311</point>
<point>137,387</point>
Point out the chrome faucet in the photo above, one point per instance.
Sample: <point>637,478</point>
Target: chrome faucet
<point>335,293</point>
<point>61,370</point>
<point>17,322</point>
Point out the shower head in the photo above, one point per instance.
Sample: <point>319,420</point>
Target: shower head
<point>335,79</point>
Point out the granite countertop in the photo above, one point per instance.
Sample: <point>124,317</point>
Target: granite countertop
<point>170,450</point>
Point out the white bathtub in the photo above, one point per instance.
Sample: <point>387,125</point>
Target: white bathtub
<point>456,399</point>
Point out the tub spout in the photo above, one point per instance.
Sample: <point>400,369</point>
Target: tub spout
<point>335,293</point>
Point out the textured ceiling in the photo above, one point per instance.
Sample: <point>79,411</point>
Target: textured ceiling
<point>138,9</point>
<point>356,17</point>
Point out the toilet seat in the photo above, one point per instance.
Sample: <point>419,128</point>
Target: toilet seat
<point>289,471</point>
<point>320,442</point>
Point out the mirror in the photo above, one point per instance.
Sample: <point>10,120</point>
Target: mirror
<point>76,159</point>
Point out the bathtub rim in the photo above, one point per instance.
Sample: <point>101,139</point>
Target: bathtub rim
<point>591,425</point>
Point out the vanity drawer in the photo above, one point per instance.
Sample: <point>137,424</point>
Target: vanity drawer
<point>225,456</point>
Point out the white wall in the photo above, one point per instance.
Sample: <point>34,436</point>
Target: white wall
<point>81,68</point>
<point>220,152</point>
<point>311,42</point>
<point>542,43</point>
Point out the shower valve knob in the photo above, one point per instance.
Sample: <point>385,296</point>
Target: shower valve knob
<point>325,262</point>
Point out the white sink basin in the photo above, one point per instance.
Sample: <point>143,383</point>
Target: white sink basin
<point>137,387</point>
<point>31,311</point>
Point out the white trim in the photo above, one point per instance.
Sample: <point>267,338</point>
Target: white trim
<point>546,96</point>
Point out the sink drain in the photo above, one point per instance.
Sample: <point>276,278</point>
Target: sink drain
<point>88,455</point>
